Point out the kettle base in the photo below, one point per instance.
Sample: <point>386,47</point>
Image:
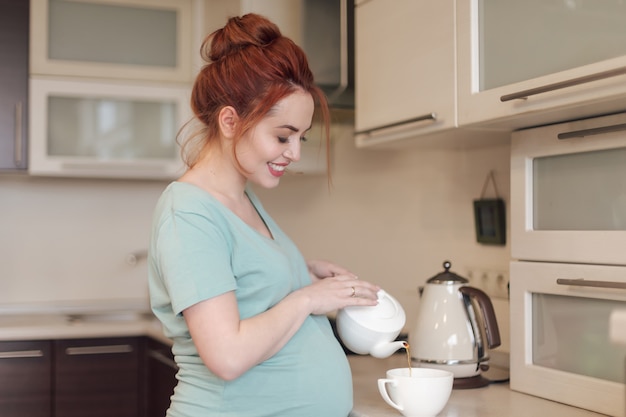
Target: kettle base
<point>477,381</point>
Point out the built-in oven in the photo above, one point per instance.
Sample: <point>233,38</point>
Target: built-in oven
<point>568,192</point>
<point>568,273</point>
<point>560,334</point>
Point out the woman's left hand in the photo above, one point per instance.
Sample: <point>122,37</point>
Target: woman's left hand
<point>323,269</point>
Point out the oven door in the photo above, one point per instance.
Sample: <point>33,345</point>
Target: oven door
<point>560,344</point>
<point>568,192</point>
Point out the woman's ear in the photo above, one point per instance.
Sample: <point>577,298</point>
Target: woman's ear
<point>228,119</point>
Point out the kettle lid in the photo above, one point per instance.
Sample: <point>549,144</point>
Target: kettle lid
<point>447,277</point>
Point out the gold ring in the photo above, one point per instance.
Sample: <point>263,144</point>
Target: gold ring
<point>353,292</point>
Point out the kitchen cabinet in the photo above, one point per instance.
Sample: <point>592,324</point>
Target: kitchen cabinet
<point>105,129</point>
<point>160,377</point>
<point>324,30</point>
<point>534,62</point>
<point>109,87</point>
<point>25,378</point>
<point>97,377</point>
<point>405,69</point>
<point>146,40</point>
<point>14,17</point>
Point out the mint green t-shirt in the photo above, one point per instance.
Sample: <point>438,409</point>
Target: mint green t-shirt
<point>200,249</point>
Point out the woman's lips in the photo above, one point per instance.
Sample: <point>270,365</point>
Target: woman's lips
<point>277,170</point>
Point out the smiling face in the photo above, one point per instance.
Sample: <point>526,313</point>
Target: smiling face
<point>267,149</point>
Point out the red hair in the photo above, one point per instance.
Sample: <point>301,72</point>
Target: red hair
<point>251,67</point>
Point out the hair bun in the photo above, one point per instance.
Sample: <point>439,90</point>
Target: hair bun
<point>241,32</point>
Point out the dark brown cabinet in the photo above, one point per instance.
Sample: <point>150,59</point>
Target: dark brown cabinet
<point>97,377</point>
<point>160,378</point>
<point>26,379</point>
<point>14,27</point>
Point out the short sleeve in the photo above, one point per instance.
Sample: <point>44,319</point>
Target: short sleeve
<point>194,259</point>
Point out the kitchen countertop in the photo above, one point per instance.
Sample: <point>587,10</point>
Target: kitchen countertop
<point>495,400</point>
<point>78,321</point>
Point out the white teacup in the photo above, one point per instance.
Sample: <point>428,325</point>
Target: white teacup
<point>423,394</point>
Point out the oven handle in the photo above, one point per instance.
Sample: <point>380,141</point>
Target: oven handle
<point>591,132</point>
<point>594,284</point>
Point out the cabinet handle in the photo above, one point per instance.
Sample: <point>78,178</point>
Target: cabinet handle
<point>155,354</point>
<point>428,116</point>
<point>593,131</point>
<point>563,84</point>
<point>592,284</point>
<point>98,350</point>
<point>19,107</point>
<point>21,354</point>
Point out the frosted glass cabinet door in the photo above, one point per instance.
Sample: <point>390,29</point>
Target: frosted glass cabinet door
<point>96,129</point>
<point>522,40</point>
<point>145,39</point>
<point>525,57</point>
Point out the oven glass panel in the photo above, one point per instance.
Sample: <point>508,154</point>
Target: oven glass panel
<point>571,334</point>
<point>580,191</point>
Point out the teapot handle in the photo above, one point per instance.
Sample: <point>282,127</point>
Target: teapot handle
<point>486,307</point>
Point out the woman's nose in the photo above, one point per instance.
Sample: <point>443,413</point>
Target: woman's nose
<point>293,151</point>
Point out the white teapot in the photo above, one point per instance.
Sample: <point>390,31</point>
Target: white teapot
<point>372,329</point>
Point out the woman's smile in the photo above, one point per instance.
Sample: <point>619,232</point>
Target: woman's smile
<point>277,170</point>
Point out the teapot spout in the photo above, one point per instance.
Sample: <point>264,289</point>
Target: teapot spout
<point>386,349</point>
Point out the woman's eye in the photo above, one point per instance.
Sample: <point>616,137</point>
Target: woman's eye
<point>303,139</point>
<point>283,140</point>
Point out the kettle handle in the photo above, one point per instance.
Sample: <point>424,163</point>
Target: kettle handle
<point>486,307</point>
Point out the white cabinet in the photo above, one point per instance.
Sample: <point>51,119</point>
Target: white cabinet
<point>109,86</point>
<point>105,129</point>
<point>405,69</point>
<point>524,63</point>
<point>121,39</point>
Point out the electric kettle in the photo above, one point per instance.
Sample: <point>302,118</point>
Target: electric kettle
<point>450,332</point>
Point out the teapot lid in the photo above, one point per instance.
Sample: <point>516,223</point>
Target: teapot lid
<point>387,315</point>
<point>447,277</point>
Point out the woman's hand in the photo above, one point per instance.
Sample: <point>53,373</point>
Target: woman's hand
<point>335,287</point>
<point>323,269</point>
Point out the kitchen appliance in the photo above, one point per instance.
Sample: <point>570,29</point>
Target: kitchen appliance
<point>560,336</point>
<point>568,233</point>
<point>455,325</point>
<point>372,329</point>
<point>568,192</point>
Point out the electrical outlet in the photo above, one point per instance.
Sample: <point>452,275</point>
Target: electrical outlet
<point>494,283</point>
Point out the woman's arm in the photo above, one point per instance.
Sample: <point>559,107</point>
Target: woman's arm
<point>229,346</point>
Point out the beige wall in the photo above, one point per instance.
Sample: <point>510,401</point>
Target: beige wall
<point>392,217</point>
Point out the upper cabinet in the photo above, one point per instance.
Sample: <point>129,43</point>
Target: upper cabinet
<point>524,63</point>
<point>120,39</point>
<point>109,87</point>
<point>322,28</point>
<point>13,84</point>
<point>468,72</point>
<point>405,69</point>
